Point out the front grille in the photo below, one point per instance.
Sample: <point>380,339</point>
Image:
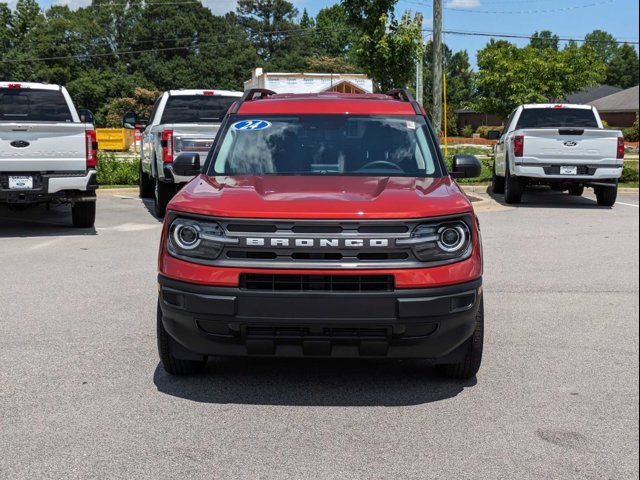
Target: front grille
<point>317,283</point>
<point>313,254</point>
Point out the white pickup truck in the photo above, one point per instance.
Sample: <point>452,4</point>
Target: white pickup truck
<point>181,121</point>
<point>48,153</point>
<point>564,146</point>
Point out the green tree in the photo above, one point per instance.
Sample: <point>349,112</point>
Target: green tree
<point>460,77</point>
<point>509,76</point>
<point>603,43</point>
<point>5,29</point>
<point>387,47</point>
<point>269,24</point>
<point>544,39</point>
<point>141,102</point>
<point>334,34</point>
<point>623,69</point>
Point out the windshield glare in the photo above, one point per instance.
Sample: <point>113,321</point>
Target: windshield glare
<point>326,145</point>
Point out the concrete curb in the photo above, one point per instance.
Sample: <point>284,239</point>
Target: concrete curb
<point>130,192</point>
<point>485,189</point>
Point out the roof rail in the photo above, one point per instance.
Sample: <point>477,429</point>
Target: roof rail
<point>249,95</point>
<point>404,95</point>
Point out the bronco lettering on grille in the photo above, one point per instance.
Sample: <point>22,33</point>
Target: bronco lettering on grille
<point>316,242</point>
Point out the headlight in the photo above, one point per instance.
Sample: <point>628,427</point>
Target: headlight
<point>433,242</point>
<point>197,239</point>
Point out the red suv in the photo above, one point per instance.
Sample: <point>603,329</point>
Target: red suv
<point>322,225</point>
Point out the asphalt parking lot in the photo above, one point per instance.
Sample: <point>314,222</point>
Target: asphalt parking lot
<point>82,395</point>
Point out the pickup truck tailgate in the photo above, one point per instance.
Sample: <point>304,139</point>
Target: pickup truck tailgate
<point>42,147</point>
<point>580,145</point>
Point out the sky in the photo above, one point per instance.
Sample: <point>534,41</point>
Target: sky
<point>566,18</point>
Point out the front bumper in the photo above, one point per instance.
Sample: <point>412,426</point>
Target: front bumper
<point>64,186</point>
<point>428,323</point>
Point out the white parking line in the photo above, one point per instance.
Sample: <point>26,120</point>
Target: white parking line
<point>627,204</point>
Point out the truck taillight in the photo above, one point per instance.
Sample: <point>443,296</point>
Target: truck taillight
<point>620,148</point>
<point>167,146</point>
<point>92,148</point>
<point>518,145</point>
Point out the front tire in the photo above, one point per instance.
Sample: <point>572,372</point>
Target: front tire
<point>469,366</point>
<point>172,364</point>
<point>607,196</point>
<point>83,214</point>
<point>513,188</point>
<point>145,184</point>
<point>497,184</point>
<point>164,192</point>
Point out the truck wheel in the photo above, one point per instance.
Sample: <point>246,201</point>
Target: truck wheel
<point>607,196</point>
<point>576,190</point>
<point>172,364</point>
<point>145,184</point>
<point>497,185</point>
<point>164,192</point>
<point>470,365</point>
<point>513,188</point>
<point>83,214</point>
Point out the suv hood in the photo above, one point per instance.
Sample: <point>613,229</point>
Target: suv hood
<point>318,197</point>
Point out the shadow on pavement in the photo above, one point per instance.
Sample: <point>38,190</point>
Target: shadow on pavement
<point>547,198</point>
<point>308,382</point>
<point>149,205</point>
<point>37,221</point>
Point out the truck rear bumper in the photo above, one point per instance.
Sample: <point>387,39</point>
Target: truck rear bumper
<point>71,186</point>
<point>429,323</point>
<point>586,172</point>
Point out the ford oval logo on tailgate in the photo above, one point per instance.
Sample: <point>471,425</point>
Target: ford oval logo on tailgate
<point>20,144</point>
<point>570,144</point>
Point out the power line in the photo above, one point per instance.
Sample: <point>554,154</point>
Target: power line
<point>527,37</point>
<point>146,4</point>
<point>514,12</point>
<point>229,37</point>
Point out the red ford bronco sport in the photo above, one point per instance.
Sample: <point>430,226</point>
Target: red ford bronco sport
<point>322,225</point>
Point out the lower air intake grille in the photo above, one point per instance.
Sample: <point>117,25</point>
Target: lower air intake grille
<point>320,283</point>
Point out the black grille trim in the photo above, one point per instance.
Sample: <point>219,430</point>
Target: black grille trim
<point>300,333</point>
<point>317,283</point>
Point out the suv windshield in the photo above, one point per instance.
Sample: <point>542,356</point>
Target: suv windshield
<point>196,109</point>
<point>326,145</point>
<point>557,117</point>
<point>27,105</point>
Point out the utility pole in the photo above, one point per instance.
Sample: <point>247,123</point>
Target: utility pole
<point>437,66</point>
<point>420,67</point>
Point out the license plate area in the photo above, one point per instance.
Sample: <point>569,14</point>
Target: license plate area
<point>568,170</point>
<point>20,182</point>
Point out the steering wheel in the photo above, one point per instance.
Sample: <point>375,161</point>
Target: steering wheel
<point>382,163</point>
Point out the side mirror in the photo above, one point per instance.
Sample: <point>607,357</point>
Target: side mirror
<point>466,166</point>
<point>129,120</point>
<point>141,124</point>
<point>187,164</point>
<point>494,134</point>
<point>86,116</point>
